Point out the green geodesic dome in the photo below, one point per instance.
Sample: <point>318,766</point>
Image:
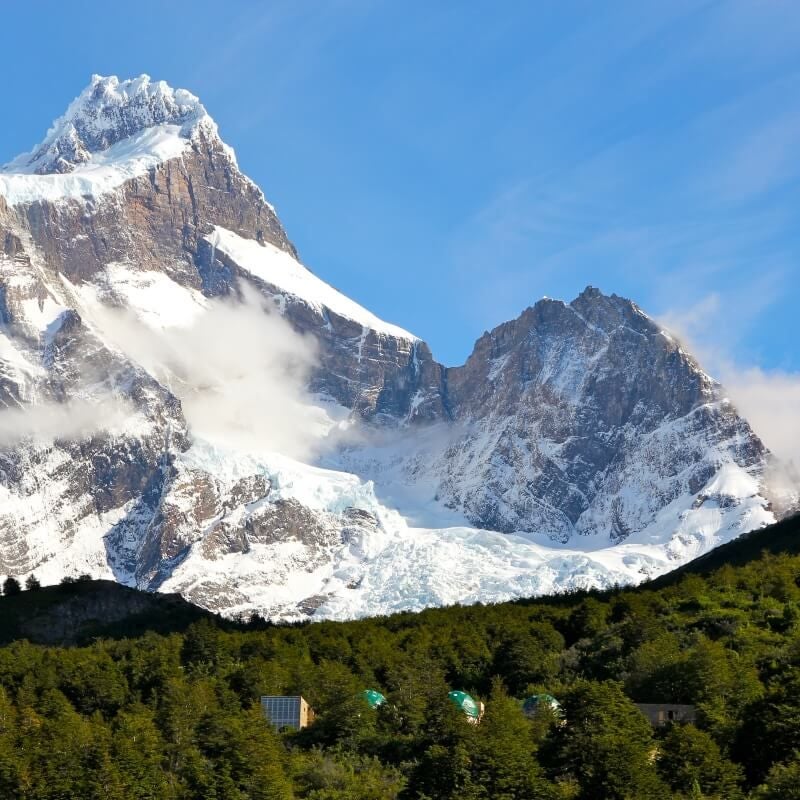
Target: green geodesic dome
<point>537,702</point>
<point>466,703</point>
<point>373,697</point>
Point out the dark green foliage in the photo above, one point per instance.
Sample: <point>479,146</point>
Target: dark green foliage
<point>505,752</point>
<point>11,586</point>
<point>160,702</point>
<point>770,731</point>
<point>606,745</point>
<point>782,783</point>
<point>528,655</point>
<point>78,611</point>
<point>689,759</point>
<point>586,620</point>
<point>340,775</point>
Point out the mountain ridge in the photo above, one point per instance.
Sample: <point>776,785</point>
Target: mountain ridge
<point>578,445</point>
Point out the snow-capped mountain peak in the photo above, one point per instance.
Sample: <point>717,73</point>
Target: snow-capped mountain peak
<point>106,112</point>
<point>113,131</point>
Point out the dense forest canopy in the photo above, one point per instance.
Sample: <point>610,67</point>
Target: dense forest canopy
<point>176,714</point>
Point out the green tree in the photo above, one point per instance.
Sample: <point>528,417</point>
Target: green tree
<point>606,746</point>
<point>446,766</point>
<point>203,647</point>
<point>505,760</point>
<point>32,584</point>
<point>339,775</point>
<point>342,715</point>
<point>266,759</point>
<point>414,690</point>
<point>782,782</point>
<point>10,761</point>
<point>587,619</point>
<point>528,655</point>
<point>657,671</point>
<point>770,730</point>
<point>138,752</point>
<point>93,681</point>
<point>689,758</point>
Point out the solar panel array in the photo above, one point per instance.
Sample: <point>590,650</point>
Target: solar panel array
<point>281,711</point>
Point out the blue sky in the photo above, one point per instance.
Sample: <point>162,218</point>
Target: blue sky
<point>449,163</point>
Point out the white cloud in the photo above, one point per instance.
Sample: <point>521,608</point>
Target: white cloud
<point>77,419</point>
<point>768,399</point>
<point>240,373</point>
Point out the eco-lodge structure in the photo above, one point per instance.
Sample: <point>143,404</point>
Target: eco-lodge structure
<point>284,711</point>
<point>661,714</point>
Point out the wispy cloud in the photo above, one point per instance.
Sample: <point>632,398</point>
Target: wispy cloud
<point>73,420</point>
<point>239,370</point>
<point>768,399</point>
<point>765,159</point>
<point>671,192</point>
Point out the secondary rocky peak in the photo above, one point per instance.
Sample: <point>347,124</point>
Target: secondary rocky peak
<point>591,294</point>
<point>591,314</point>
<point>609,312</point>
<point>107,112</point>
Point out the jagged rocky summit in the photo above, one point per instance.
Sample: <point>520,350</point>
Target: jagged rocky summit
<point>580,445</point>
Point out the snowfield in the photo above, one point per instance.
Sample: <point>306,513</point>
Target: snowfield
<point>62,168</point>
<point>286,274</point>
<point>401,566</point>
<point>101,174</point>
<point>397,565</point>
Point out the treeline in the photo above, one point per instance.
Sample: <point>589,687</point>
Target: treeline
<point>12,587</point>
<point>177,716</point>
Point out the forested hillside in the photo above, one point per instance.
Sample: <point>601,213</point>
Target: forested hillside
<point>176,715</point>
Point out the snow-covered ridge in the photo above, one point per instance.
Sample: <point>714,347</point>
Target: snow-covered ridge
<point>279,269</point>
<point>106,112</point>
<point>112,132</point>
<point>102,173</point>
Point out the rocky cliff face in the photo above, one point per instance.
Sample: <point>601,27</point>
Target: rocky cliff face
<point>586,417</point>
<point>580,426</point>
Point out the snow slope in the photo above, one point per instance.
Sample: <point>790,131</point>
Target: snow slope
<point>415,554</point>
<point>398,565</point>
<point>281,270</point>
<point>100,174</point>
